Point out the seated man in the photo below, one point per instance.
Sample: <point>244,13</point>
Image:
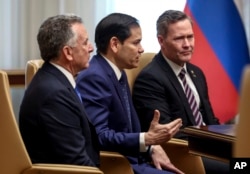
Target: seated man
<point>108,103</point>
<point>53,123</point>
<point>159,84</point>
<point>171,84</point>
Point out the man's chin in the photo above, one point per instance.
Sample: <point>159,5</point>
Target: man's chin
<point>186,58</point>
<point>86,66</point>
<point>134,66</point>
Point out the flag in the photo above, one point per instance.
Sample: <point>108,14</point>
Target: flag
<point>221,51</point>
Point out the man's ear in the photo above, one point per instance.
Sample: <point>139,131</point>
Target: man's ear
<point>67,51</point>
<point>114,44</point>
<point>160,39</point>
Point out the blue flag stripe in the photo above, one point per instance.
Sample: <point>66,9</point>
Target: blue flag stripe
<point>222,26</point>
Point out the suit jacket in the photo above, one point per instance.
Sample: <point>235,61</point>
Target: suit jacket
<point>53,123</point>
<point>104,103</point>
<point>157,87</point>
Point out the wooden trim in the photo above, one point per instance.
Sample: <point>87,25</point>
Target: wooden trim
<point>212,141</point>
<point>16,77</point>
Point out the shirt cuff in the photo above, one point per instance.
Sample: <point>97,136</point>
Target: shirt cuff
<point>143,147</point>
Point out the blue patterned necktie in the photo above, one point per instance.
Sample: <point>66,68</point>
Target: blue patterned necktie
<point>124,89</point>
<point>78,94</point>
<point>191,99</point>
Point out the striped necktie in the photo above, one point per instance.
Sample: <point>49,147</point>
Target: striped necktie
<point>191,99</point>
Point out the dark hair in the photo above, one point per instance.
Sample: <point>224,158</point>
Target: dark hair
<point>56,32</point>
<point>114,25</point>
<point>169,17</point>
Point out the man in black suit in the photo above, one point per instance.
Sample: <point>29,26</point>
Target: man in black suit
<point>53,123</point>
<point>160,85</point>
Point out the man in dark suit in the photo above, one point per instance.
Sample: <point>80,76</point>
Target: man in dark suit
<point>53,123</point>
<point>177,88</point>
<point>108,103</point>
<point>158,85</point>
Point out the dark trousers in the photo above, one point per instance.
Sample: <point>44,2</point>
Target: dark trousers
<point>214,166</point>
<point>145,168</point>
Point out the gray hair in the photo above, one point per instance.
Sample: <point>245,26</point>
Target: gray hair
<point>169,17</point>
<point>56,32</point>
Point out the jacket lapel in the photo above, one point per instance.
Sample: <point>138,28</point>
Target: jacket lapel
<point>111,74</point>
<point>61,77</point>
<point>113,79</point>
<point>176,85</point>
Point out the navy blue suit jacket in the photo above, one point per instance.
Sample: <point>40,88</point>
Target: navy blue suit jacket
<point>53,123</point>
<point>105,106</point>
<point>104,103</point>
<point>157,87</point>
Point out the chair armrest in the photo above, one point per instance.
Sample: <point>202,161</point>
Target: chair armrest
<point>114,163</point>
<point>178,152</point>
<point>61,169</point>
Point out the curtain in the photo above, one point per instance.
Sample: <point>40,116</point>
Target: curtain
<point>20,20</point>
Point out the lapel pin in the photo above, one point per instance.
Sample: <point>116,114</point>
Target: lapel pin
<point>192,72</point>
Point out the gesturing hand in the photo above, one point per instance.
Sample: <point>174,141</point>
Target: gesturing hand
<point>161,133</point>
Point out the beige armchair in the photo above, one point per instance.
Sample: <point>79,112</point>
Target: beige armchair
<point>132,73</point>
<point>178,152</point>
<point>241,146</point>
<point>115,163</point>
<point>31,68</point>
<point>14,158</point>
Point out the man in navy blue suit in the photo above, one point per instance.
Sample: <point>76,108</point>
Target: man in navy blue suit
<point>108,103</point>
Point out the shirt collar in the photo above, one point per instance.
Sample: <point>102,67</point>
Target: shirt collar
<point>117,71</point>
<point>176,68</point>
<point>68,75</point>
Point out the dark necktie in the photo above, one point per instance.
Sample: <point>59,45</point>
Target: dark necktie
<point>191,99</point>
<point>124,89</point>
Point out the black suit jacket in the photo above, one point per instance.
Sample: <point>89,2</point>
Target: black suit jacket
<point>53,123</point>
<point>157,87</point>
